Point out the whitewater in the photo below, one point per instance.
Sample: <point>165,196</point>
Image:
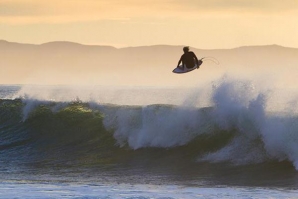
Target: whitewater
<point>230,138</point>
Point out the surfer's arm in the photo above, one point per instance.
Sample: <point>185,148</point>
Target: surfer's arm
<point>197,61</point>
<point>179,62</point>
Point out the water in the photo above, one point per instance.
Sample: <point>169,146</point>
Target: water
<point>229,140</point>
<point>136,191</point>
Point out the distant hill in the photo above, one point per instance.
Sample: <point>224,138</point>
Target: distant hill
<point>71,63</point>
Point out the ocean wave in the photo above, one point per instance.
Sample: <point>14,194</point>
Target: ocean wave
<point>236,128</point>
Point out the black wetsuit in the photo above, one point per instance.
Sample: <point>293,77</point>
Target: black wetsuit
<point>188,59</point>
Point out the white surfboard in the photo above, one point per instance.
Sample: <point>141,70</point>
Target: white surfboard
<point>181,69</point>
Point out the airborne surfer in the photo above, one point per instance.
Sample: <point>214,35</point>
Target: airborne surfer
<point>188,59</point>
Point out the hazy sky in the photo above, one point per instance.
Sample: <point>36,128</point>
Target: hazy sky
<point>198,23</point>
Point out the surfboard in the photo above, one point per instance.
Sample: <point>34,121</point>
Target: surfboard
<point>180,70</point>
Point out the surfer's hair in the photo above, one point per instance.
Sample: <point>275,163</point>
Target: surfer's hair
<point>186,48</point>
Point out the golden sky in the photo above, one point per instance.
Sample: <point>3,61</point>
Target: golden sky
<point>203,24</point>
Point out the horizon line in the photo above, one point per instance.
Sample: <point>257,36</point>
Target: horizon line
<point>153,45</point>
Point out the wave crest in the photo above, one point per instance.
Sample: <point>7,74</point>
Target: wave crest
<point>238,127</point>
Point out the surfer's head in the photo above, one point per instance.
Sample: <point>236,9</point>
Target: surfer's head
<point>186,49</point>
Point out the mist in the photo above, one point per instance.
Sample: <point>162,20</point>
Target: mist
<point>66,63</point>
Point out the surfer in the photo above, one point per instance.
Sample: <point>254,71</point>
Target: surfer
<point>188,59</point>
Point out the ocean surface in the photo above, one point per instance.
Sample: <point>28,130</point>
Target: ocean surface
<point>229,139</point>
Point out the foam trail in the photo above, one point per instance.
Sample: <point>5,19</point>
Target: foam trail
<point>260,135</point>
<point>239,107</point>
<point>281,138</point>
<point>156,126</point>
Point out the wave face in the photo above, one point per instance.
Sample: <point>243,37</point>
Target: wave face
<point>237,128</point>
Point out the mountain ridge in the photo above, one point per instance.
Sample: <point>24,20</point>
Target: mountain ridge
<point>64,62</point>
<point>142,46</point>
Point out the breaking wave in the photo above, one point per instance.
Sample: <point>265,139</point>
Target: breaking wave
<point>237,127</point>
